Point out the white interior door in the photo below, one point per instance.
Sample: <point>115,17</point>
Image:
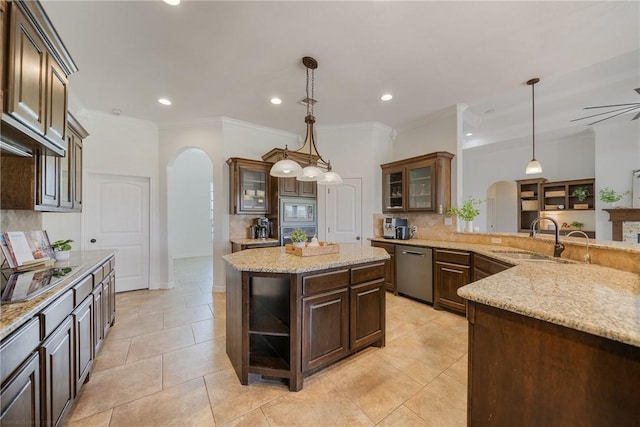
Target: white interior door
<point>344,211</point>
<point>117,216</point>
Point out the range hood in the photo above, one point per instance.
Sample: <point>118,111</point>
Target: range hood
<point>17,139</point>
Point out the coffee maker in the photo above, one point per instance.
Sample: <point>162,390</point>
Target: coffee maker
<point>262,229</point>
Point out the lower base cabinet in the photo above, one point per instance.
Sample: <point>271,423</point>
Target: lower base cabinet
<point>45,362</point>
<point>20,398</point>
<point>452,270</point>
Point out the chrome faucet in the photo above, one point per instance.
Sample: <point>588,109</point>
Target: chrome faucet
<point>558,247</point>
<point>587,257</point>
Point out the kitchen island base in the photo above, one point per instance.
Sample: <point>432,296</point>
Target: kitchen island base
<point>288,325</point>
<point>524,371</point>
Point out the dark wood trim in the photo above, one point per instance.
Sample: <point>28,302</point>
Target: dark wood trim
<point>618,216</point>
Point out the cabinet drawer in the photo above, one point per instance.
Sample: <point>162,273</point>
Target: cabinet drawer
<point>389,247</point>
<point>367,273</point>
<point>55,313</point>
<point>18,346</point>
<point>82,290</point>
<point>454,257</point>
<point>323,282</point>
<point>98,276</point>
<point>489,265</point>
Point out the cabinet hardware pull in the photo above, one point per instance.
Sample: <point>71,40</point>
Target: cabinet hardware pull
<point>413,253</point>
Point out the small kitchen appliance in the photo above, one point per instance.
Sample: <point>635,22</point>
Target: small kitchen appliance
<point>391,225</point>
<point>403,232</point>
<point>262,229</point>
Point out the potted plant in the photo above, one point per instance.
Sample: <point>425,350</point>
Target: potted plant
<point>299,238</point>
<point>611,196</point>
<point>577,224</point>
<point>467,213</point>
<point>61,249</point>
<point>581,193</point>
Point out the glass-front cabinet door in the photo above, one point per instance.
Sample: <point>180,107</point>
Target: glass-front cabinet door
<point>253,187</point>
<point>421,186</point>
<point>393,189</point>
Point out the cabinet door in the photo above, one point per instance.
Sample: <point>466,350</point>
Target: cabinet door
<point>83,323</point>
<point>20,397</point>
<point>325,328</point>
<point>66,177</point>
<point>307,189</point>
<point>98,322</point>
<point>27,73</point>
<point>393,197</point>
<point>49,195</point>
<point>58,355</point>
<point>421,186</point>
<point>77,172</point>
<point>288,187</point>
<point>449,278</point>
<point>107,288</point>
<point>367,314</point>
<point>253,190</point>
<point>56,106</point>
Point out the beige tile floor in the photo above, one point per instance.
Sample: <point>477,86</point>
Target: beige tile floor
<point>164,364</point>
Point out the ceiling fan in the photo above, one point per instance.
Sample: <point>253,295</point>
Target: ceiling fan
<point>618,109</point>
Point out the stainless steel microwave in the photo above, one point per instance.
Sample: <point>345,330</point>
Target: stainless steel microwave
<point>298,211</point>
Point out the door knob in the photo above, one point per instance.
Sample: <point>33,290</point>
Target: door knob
<point>92,240</point>
<point>357,237</point>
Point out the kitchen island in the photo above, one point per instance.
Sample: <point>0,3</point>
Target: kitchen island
<point>554,344</point>
<point>289,316</point>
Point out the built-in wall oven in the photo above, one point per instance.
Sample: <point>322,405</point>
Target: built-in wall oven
<point>296,212</point>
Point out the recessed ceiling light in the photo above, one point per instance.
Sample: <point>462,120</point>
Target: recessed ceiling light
<point>468,134</point>
<point>172,2</point>
<point>116,111</point>
<point>164,101</point>
<point>386,97</point>
<point>276,101</point>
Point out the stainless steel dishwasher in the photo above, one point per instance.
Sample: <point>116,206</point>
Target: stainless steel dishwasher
<point>414,272</point>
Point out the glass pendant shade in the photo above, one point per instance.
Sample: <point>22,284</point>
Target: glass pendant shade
<point>286,168</point>
<point>311,173</point>
<point>330,178</point>
<point>534,166</point>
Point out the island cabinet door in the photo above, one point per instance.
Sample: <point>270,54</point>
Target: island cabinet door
<point>325,323</point>
<point>367,314</point>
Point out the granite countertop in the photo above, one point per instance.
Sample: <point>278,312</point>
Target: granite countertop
<point>276,260</point>
<point>14,315</point>
<point>256,242</point>
<point>591,298</point>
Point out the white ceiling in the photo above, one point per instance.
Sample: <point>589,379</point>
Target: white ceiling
<point>215,58</point>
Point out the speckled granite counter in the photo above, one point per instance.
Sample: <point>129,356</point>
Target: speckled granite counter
<point>254,242</point>
<point>586,297</point>
<point>14,315</point>
<point>276,260</point>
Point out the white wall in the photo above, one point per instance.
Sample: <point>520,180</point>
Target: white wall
<point>189,211</point>
<point>561,159</point>
<point>356,151</point>
<point>617,147</point>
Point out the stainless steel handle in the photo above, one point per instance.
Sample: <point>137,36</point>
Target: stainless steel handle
<point>414,253</point>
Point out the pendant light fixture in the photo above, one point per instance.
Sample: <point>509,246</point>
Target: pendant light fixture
<point>534,166</point>
<point>315,168</point>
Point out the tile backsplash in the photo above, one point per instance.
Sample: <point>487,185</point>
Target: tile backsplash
<point>430,225</point>
<point>20,220</point>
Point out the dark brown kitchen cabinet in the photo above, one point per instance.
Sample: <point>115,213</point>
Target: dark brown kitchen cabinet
<point>452,271</point>
<point>291,187</point>
<point>57,369</point>
<point>98,323</point>
<point>389,266</point>
<point>249,186</point>
<point>45,182</point>
<point>421,183</point>
<point>484,266</point>
<point>84,331</point>
<point>20,397</point>
<point>367,314</point>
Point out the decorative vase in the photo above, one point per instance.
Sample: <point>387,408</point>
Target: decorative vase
<point>468,226</point>
<point>299,244</point>
<point>61,256</point>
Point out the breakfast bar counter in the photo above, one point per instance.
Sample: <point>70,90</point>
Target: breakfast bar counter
<point>289,316</point>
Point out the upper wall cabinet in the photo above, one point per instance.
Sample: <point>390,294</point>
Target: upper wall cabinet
<point>249,186</point>
<point>35,91</point>
<point>421,183</point>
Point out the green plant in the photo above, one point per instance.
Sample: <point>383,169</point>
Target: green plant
<point>61,245</point>
<point>581,193</point>
<point>608,195</point>
<point>468,211</point>
<point>577,225</point>
<point>298,236</point>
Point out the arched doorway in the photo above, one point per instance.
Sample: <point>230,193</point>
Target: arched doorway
<point>190,211</point>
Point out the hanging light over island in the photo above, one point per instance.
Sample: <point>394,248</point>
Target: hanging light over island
<point>315,168</point>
